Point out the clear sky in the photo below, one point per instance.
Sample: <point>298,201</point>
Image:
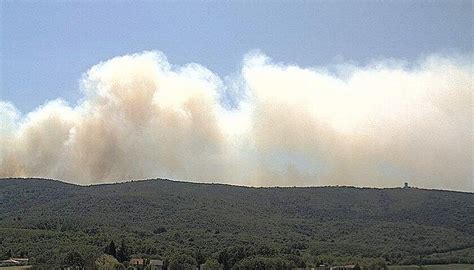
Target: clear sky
<point>46,46</point>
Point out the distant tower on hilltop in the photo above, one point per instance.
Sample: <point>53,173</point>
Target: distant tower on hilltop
<point>406,185</point>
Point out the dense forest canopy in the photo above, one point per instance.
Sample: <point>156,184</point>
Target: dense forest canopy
<point>233,226</point>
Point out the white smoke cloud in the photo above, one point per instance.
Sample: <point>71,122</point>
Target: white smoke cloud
<point>140,117</point>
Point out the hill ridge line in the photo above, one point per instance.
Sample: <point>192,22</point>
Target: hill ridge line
<point>225,184</point>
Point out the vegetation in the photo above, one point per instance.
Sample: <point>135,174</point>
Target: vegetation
<point>229,227</point>
<point>74,260</point>
<point>107,262</point>
<point>434,267</point>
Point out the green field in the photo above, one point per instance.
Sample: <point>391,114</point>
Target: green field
<point>434,267</point>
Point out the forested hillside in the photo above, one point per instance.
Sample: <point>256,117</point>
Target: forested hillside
<point>46,219</point>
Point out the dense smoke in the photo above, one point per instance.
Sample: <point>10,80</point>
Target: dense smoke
<point>141,117</point>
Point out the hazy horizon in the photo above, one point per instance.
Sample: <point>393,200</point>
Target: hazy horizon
<point>184,181</point>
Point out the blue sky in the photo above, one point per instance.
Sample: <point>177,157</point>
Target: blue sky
<point>46,46</point>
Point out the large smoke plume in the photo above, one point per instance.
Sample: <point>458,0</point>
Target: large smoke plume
<point>141,117</point>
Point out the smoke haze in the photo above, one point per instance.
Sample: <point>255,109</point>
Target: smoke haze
<point>141,117</point>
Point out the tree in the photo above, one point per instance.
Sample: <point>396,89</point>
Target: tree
<point>23,254</point>
<point>107,262</point>
<point>223,258</point>
<point>262,263</point>
<point>212,264</point>
<point>6,255</point>
<point>159,230</point>
<point>181,261</point>
<point>199,257</point>
<point>111,249</point>
<point>123,254</point>
<point>73,259</point>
